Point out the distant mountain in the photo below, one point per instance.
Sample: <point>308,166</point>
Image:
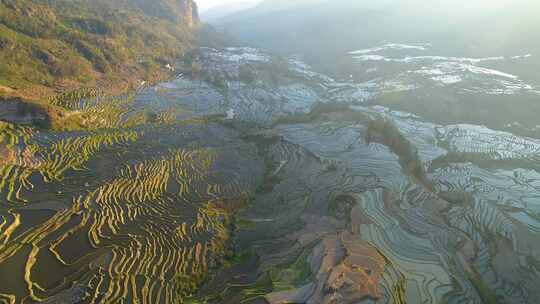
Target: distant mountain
<point>280,5</point>
<point>320,30</point>
<point>216,13</point>
<point>265,9</point>
<point>55,46</point>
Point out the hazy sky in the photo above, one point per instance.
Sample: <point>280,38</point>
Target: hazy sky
<point>206,4</point>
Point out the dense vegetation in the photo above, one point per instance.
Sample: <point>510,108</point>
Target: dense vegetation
<point>57,46</point>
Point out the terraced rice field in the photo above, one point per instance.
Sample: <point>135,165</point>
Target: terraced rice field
<point>184,193</point>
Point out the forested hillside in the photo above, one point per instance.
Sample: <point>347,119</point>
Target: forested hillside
<point>57,46</point>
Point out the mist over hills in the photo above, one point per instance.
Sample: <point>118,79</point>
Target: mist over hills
<point>394,41</point>
<point>216,13</point>
<point>319,30</point>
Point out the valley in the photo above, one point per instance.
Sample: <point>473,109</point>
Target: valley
<point>253,178</point>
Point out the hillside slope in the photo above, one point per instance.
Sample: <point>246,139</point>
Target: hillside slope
<point>57,46</point>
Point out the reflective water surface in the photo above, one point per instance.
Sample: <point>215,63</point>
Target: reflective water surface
<point>264,181</point>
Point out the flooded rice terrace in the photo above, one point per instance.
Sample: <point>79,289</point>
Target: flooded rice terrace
<point>262,181</point>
